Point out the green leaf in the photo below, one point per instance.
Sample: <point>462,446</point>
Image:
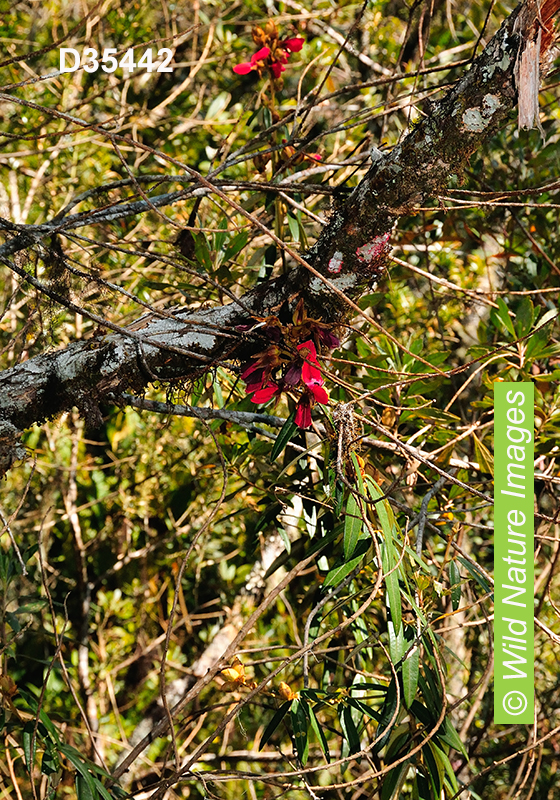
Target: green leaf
<point>294,227</point>
<point>449,735</point>
<point>319,733</point>
<point>101,789</point>
<point>236,244</point>
<point>81,765</point>
<point>300,722</point>
<point>27,736</point>
<point>12,621</point>
<point>410,673</point>
<point>483,456</point>
<point>388,717</point>
<point>383,509</point>
<point>455,582</point>
<point>476,574</point>
<point>31,607</point>
<point>349,729</point>
<point>286,539</point>
<point>396,642</point>
<point>337,574</point>
<point>353,524</point>
<point>419,710</point>
<point>390,571</point>
<point>449,774</point>
<point>503,314</point>
<point>85,790</point>
<point>550,315</point>
<point>393,781</point>
<point>360,706</point>
<point>434,768</point>
<point>218,104</point>
<point>49,762</point>
<point>524,316</point>
<point>275,722</point>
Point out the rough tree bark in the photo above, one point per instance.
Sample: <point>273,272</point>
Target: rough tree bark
<point>348,258</point>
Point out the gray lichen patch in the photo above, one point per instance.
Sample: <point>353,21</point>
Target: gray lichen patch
<point>342,283</point>
<point>490,104</point>
<point>474,121</point>
<point>477,119</point>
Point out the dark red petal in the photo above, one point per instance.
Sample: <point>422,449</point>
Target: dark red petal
<point>293,45</point>
<point>249,368</point>
<point>303,414</point>
<point>293,375</point>
<point>277,69</point>
<point>319,394</point>
<point>243,69</point>
<point>264,395</point>
<point>328,338</point>
<point>253,384</point>
<point>260,55</point>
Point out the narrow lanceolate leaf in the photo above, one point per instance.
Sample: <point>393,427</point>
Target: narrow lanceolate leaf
<point>382,508</point>
<point>300,722</point>
<point>28,750</point>
<point>338,573</point>
<point>352,526</point>
<point>477,575</point>
<point>443,761</point>
<point>319,733</point>
<point>396,642</point>
<point>285,435</point>
<point>275,722</point>
<point>434,768</point>
<point>84,789</point>
<point>393,781</point>
<point>455,581</point>
<point>101,789</point>
<point>410,672</point>
<point>390,570</point>
<point>349,730</point>
<point>449,735</point>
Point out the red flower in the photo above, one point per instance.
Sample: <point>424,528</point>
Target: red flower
<point>274,371</point>
<point>246,67</point>
<point>273,57</point>
<point>313,380</point>
<point>310,372</point>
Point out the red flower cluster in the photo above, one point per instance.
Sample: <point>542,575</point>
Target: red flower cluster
<point>279,369</point>
<point>272,53</point>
